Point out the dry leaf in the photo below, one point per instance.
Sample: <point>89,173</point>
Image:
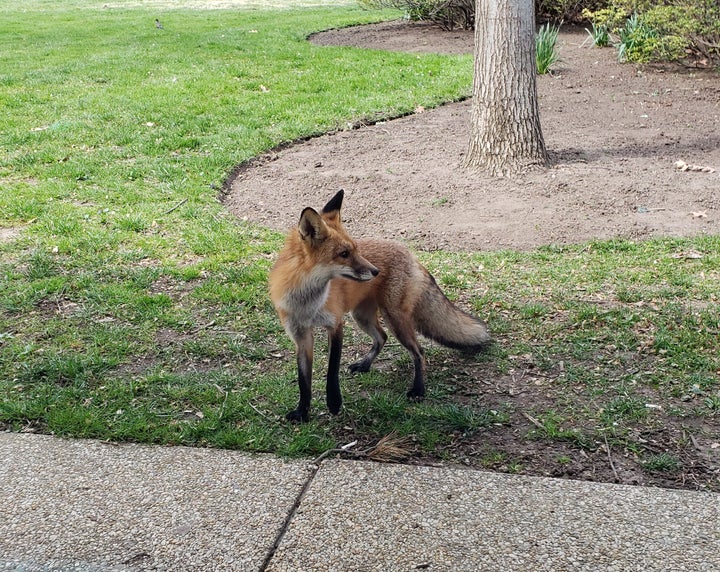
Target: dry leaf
<point>688,255</point>
<point>681,165</point>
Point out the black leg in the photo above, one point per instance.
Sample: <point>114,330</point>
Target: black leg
<point>333,396</point>
<point>304,367</point>
<point>417,391</point>
<point>405,333</point>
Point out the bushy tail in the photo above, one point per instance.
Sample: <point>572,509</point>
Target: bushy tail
<point>439,319</point>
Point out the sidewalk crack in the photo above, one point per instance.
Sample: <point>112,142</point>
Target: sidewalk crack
<point>314,468</point>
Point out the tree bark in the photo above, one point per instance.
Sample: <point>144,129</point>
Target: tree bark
<point>506,137</point>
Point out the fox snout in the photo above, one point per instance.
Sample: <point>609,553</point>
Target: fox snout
<point>361,273</point>
<point>373,272</point>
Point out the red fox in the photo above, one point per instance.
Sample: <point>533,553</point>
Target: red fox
<point>322,274</point>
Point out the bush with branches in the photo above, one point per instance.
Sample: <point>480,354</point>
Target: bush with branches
<point>642,30</point>
<point>450,14</point>
<point>661,31</point>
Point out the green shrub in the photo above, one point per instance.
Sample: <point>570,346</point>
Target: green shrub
<point>610,18</point>
<point>566,10</point>
<point>637,41</point>
<point>688,26</point>
<point>669,30</point>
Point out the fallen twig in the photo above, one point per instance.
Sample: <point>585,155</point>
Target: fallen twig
<point>695,443</point>
<point>612,464</point>
<point>258,411</point>
<point>222,407</point>
<point>344,449</point>
<point>533,420</point>
<point>177,206</point>
<point>203,327</point>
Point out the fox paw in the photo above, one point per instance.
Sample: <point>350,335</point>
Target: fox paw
<point>416,394</point>
<point>359,367</point>
<point>298,416</point>
<point>334,403</point>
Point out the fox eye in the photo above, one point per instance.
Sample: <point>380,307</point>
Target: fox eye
<point>344,253</point>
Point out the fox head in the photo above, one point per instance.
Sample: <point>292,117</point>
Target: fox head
<point>328,244</point>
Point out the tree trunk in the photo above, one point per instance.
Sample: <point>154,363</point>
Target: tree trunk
<point>506,137</point>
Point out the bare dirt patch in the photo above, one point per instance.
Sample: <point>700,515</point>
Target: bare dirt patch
<point>10,233</point>
<point>614,132</point>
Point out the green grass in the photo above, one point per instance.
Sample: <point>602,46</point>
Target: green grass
<point>621,335</point>
<point>134,307</point>
<point>663,462</point>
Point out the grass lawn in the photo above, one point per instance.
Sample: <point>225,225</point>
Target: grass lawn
<point>133,307</point>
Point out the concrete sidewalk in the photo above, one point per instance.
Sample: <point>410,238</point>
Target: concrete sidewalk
<point>90,506</point>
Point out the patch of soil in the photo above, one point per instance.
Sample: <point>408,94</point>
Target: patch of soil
<point>614,133</point>
<point>8,234</point>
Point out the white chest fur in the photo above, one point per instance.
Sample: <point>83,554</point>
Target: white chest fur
<point>305,304</point>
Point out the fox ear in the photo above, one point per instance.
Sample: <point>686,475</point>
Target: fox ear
<point>311,226</point>
<point>333,206</point>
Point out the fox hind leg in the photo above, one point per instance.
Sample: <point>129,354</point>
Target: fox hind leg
<point>405,333</point>
<point>366,316</point>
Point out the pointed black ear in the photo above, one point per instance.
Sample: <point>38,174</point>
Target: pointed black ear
<point>311,226</point>
<point>335,203</point>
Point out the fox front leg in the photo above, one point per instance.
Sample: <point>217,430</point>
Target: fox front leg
<point>332,391</point>
<point>304,344</point>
